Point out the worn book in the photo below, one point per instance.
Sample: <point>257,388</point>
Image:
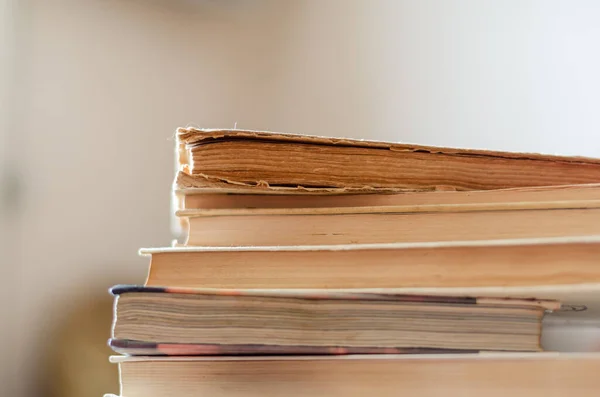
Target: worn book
<point>199,199</point>
<point>450,375</point>
<point>266,162</point>
<point>182,321</point>
<point>391,224</point>
<point>531,197</point>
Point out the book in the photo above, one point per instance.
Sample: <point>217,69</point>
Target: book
<point>211,321</point>
<point>497,263</point>
<point>199,199</point>
<point>391,224</point>
<point>266,162</point>
<point>531,197</point>
<point>490,374</point>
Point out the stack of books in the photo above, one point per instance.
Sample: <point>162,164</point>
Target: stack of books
<point>338,267</point>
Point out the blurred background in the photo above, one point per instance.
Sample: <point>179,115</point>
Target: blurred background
<point>91,92</point>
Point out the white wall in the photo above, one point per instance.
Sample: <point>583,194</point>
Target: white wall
<point>103,84</point>
<point>511,74</point>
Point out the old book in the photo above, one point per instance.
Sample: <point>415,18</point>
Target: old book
<point>391,224</point>
<point>497,263</point>
<point>199,199</point>
<point>490,375</point>
<point>542,196</point>
<point>255,162</point>
<point>182,321</point>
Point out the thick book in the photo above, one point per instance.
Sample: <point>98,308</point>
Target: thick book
<point>208,321</point>
<point>254,162</point>
<point>490,375</point>
<point>545,196</point>
<point>453,264</point>
<point>391,224</point>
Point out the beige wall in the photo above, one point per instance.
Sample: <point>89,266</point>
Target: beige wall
<point>8,222</point>
<point>103,84</point>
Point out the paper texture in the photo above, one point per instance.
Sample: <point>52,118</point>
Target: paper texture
<point>188,138</point>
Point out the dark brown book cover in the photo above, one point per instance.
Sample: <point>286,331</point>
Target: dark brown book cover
<point>139,348</point>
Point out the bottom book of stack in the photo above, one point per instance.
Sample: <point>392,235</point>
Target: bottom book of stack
<point>483,374</point>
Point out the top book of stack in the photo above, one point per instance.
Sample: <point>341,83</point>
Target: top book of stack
<point>252,162</point>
